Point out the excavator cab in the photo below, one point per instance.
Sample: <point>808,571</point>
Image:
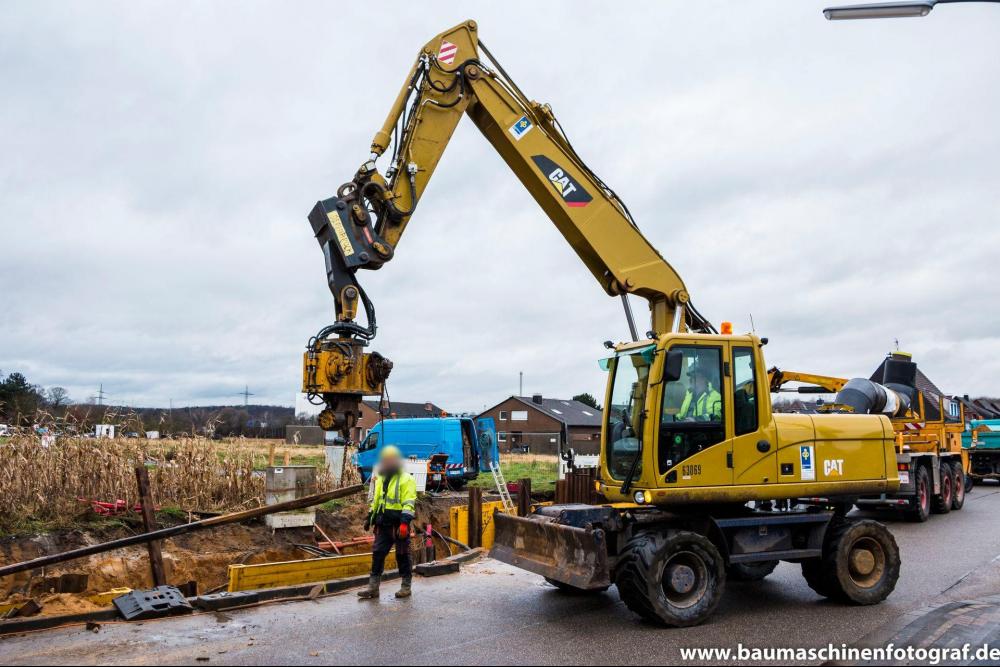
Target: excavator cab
<point>683,412</point>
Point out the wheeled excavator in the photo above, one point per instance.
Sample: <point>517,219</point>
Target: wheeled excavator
<point>698,479</point>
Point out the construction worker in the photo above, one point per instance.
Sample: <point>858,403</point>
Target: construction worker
<point>392,511</point>
<point>702,402</point>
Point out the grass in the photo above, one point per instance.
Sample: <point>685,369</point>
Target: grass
<point>541,470</point>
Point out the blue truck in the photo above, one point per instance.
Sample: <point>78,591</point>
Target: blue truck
<point>468,445</point>
<point>982,441</point>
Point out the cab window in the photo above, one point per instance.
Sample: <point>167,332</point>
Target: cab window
<point>744,391</point>
<point>691,417</point>
<point>371,442</point>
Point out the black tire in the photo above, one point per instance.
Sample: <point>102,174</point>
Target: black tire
<point>970,482</point>
<point>674,578</point>
<point>922,498</point>
<point>573,590</point>
<point>812,572</point>
<point>750,571</point>
<point>957,485</point>
<point>941,502</point>
<point>860,563</point>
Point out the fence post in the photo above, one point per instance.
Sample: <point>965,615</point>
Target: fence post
<point>475,517</point>
<point>149,525</point>
<point>561,486</point>
<point>524,496</point>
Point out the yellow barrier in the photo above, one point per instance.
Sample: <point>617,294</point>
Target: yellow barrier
<point>459,523</point>
<point>105,598</point>
<point>289,573</point>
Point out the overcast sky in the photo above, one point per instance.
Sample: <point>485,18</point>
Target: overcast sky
<point>839,181</point>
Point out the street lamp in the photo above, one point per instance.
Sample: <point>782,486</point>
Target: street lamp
<point>887,10</point>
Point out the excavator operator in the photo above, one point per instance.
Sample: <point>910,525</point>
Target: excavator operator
<point>702,401</point>
<point>392,512</point>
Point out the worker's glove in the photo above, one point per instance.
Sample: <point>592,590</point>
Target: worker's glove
<point>404,525</point>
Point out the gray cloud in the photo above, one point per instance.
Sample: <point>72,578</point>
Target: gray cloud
<point>157,161</point>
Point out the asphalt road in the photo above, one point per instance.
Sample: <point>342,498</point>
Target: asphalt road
<point>495,614</point>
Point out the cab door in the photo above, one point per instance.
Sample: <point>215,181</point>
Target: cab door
<point>755,449</point>
<point>693,447</point>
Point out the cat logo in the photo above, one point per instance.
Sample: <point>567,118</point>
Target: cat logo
<point>833,467</point>
<point>568,188</point>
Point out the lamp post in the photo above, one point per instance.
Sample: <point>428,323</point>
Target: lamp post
<point>888,10</point>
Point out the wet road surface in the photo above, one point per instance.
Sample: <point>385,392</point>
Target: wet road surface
<point>496,614</point>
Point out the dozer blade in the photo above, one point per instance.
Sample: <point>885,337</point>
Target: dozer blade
<point>574,556</point>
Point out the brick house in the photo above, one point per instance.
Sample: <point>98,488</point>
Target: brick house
<point>370,412</point>
<point>546,425</point>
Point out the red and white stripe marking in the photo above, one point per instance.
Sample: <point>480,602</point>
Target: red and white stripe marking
<point>914,426</point>
<point>447,53</point>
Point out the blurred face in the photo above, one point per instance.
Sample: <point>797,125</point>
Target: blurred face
<point>700,384</point>
<point>391,463</point>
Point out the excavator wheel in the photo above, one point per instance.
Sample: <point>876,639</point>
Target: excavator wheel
<point>941,503</point>
<point>673,578</point>
<point>957,485</point>
<point>751,571</point>
<point>812,572</point>
<point>573,590</point>
<point>860,563</point>
<point>922,483</point>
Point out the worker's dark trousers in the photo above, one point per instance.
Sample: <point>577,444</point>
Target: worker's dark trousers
<point>385,538</point>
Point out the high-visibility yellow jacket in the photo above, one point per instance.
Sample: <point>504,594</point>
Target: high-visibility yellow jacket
<point>397,497</point>
<point>707,406</point>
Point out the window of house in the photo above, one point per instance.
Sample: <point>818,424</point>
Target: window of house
<point>503,415</point>
<point>519,415</point>
<point>501,436</point>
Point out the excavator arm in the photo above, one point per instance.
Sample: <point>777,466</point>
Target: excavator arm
<point>360,228</point>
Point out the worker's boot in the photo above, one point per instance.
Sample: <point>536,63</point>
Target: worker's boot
<point>404,589</point>
<point>370,593</point>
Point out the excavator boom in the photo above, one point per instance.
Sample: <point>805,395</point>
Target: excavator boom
<point>454,75</point>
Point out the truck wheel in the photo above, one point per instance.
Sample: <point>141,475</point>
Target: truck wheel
<point>957,485</point>
<point>812,572</point>
<point>751,571</point>
<point>573,590</point>
<point>922,485</point>
<point>674,578</point>
<point>941,503</point>
<point>860,562</point>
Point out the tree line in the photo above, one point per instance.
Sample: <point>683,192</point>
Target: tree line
<point>24,405</point>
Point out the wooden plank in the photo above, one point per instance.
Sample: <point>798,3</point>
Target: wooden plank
<point>289,573</point>
<point>475,517</point>
<point>524,497</point>
<point>149,525</point>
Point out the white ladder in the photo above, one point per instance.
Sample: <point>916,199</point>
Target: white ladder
<point>508,502</point>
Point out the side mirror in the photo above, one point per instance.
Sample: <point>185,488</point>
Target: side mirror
<point>673,365</point>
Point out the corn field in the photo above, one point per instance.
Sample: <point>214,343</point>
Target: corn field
<point>53,484</point>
